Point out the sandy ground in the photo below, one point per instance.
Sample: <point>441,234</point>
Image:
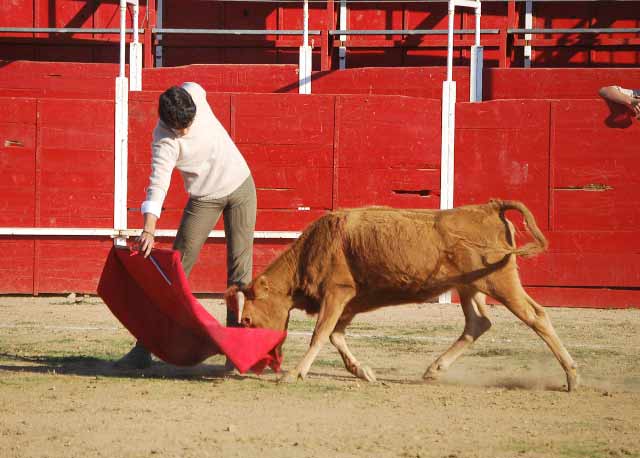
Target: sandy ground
<point>60,396</point>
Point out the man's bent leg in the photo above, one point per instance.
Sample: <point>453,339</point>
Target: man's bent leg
<point>198,219</point>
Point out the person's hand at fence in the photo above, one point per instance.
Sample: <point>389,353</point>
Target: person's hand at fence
<point>626,97</point>
<point>634,104</point>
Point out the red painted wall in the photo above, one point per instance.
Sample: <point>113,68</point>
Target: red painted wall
<point>573,162</point>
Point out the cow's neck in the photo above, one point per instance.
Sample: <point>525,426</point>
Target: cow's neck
<point>281,274</point>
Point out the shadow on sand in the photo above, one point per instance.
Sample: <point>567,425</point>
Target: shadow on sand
<point>89,366</point>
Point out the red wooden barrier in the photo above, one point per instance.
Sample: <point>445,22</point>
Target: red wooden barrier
<point>571,161</point>
<point>97,81</point>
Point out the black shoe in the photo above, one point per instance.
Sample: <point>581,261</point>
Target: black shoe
<point>138,358</point>
<point>228,366</point>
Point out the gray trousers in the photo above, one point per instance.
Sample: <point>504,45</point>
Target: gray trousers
<point>239,213</point>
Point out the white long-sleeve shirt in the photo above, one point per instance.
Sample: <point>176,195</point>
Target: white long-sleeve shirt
<point>210,163</point>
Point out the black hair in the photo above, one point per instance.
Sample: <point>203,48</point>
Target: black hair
<point>176,108</point>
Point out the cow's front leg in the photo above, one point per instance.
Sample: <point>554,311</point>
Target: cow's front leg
<point>350,362</point>
<point>331,309</point>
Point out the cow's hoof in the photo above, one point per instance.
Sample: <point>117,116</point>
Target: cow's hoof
<point>289,377</point>
<point>431,375</point>
<point>366,373</point>
<point>573,381</point>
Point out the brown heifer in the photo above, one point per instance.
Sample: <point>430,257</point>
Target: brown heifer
<point>353,261</point>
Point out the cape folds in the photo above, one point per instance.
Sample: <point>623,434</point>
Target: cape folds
<point>152,299</point>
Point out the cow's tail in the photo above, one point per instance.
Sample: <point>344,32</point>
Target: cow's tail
<point>540,243</point>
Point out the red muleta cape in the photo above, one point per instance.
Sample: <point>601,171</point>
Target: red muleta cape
<point>152,299</point>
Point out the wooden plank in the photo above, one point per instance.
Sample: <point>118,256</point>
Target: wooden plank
<point>71,265</point>
<point>17,162</point>
<point>292,187</point>
<point>595,183</point>
<point>77,125</point>
<point>60,79</point>
<point>225,78</point>
<point>283,119</point>
<point>582,269</point>
<point>604,298</point>
<point>81,199</point>
<point>16,276</point>
<point>75,135</point>
<point>410,81</point>
<point>575,259</point>
<point>554,83</point>
<point>17,110</point>
<point>401,188</point>
<point>388,132</point>
<point>502,151</point>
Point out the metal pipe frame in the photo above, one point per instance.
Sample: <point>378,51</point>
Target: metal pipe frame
<point>576,30</point>
<point>64,30</point>
<point>413,32</point>
<point>232,32</point>
<point>114,233</point>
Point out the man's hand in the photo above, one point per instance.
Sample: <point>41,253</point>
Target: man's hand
<point>146,240</point>
<point>635,107</point>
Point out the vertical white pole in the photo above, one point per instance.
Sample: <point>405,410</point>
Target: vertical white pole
<point>135,53</point>
<point>342,50</point>
<point>528,24</point>
<point>304,73</point>
<point>448,132</point>
<point>477,53</point>
<point>121,137</point>
<point>450,42</point>
<point>123,25</point>
<point>158,37</point>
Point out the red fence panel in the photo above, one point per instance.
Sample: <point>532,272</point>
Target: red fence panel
<point>287,140</point>
<point>387,152</point>
<point>502,151</point>
<point>75,163</point>
<point>16,273</point>
<point>594,168</point>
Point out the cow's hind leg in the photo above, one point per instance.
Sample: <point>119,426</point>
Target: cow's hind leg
<point>331,309</point>
<point>350,362</point>
<point>476,324</point>
<point>505,286</point>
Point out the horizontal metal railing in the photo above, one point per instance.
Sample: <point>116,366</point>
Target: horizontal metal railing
<point>169,31</point>
<point>62,30</point>
<point>576,30</point>
<point>412,32</point>
<point>163,31</point>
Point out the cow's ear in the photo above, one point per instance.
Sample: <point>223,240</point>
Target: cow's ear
<point>231,297</point>
<point>261,285</point>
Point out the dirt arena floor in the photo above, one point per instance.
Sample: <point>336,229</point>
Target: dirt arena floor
<point>60,396</point>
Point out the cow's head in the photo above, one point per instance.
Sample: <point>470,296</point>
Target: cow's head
<point>257,306</point>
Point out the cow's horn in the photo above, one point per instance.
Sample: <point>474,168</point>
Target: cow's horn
<point>240,297</point>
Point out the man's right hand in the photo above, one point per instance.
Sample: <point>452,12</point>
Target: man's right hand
<point>146,241</point>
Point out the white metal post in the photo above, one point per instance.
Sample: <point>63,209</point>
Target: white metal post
<point>135,53</point>
<point>342,49</point>
<point>448,130</point>
<point>528,24</point>
<point>159,37</point>
<point>477,53</point>
<point>121,138</point>
<point>304,70</point>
